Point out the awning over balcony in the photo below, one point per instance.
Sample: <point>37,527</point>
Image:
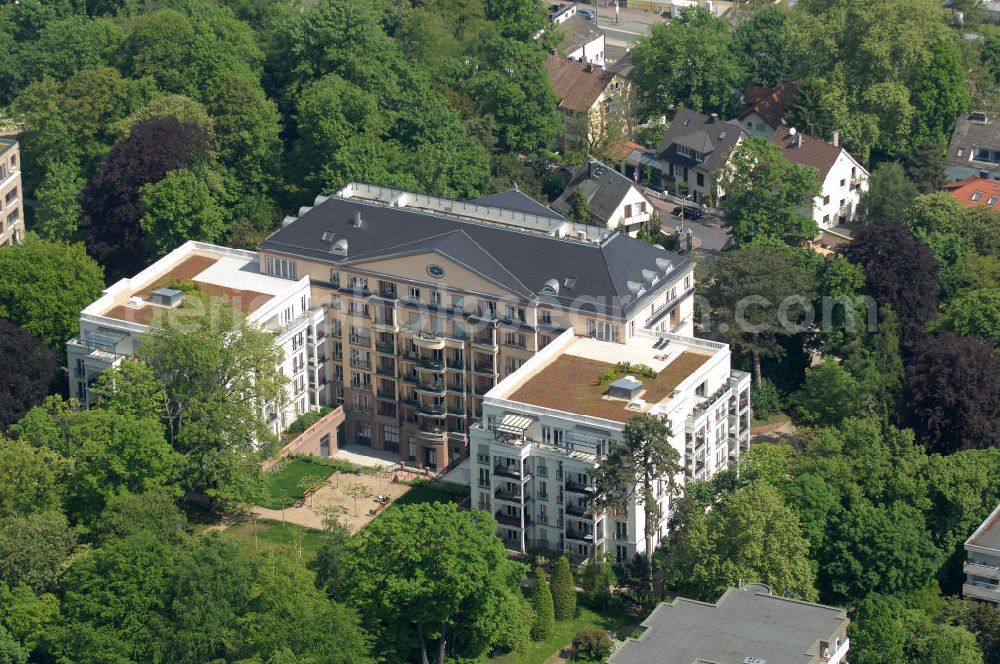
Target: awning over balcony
<point>514,424</point>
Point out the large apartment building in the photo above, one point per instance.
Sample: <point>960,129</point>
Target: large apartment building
<point>982,568</point>
<point>546,427</point>
<point>11,195</point>
<point>430,302</point>
<point>112,327</point>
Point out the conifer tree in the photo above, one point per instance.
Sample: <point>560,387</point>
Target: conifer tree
<point>541,601</point>
<point>563,590</point>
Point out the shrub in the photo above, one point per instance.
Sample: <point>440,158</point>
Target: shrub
<point>591,645</point>
<point>563,589</point>
<point>765,400</point>
<point>541,601</point>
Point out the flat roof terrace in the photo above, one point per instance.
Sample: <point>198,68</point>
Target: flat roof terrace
<point>233,279</point>
<point>570,382</point>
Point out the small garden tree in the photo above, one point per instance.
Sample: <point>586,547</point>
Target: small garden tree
<point>541,601</point>
<point>563,590</point>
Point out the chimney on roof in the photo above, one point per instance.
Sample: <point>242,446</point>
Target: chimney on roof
<point>835,140</point>
<point>713,118</point>
<point>590,67</point>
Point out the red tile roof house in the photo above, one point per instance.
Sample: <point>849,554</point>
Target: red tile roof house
<point>842,179</point>
<point>765,108</point>
<point>975,190</point>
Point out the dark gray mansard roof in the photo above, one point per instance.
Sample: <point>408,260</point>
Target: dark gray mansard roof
<point>517,260</point>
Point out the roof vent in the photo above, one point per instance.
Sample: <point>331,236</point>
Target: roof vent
<point>135,302</point>
<point>665,265</point>
<point>304,209</point>
<point>625,388</point>
<point>167,297</point>
<point>637,404</point>
<point>327,236</point>
<point>550,287</point>
<point>287,221</point>
<point>339,247</point>
<point>660,247</point>
<point>356,220</point>
<point>650,276</point>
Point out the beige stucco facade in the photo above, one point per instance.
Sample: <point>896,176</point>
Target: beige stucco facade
<point>11,195</point>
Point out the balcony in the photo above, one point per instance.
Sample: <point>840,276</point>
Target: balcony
<point>484,369</point>
<point>385,324</point>
<point>456,388</point>
<point>386,348</point>
<point>431,410</point>
<point>578,512</point>
<point>485,343</point>
<point>979,569</point>
<point>435,389</point>
<point>511,496</point>
<point>385,370</point>
<point>513,472</point>
<point>428,364</point>
<point>512,521</point>
<point>389,395</point>
<point>428,340</point>
<point>359,363</point>
<point>981,590</point>
<point>579,536</point>
<point>359,340</point>
<point>576,487</point>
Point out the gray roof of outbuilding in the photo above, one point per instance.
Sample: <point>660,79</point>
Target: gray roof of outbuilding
<point>702,133</point>
<point>517,260</point>
<point>518,201</point>
<point>602,186</point>
<point>745,622</point>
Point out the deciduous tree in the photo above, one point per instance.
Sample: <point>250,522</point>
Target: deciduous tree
<point>34,548</point>
<point>951,395</point>
<point>634,470</point>
<point>27,371</point>
<point>187,204</point>
<point>828,395</point>
<point>45,285</point>
<point>889,194</point>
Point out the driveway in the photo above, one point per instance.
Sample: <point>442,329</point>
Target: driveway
<point>708,230</point>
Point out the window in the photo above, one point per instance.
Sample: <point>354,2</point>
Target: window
<point>515,313</point>
<point>544,341</point>
<point>513,364</point>
<point>628,211</point>
<point>411,451</point>
<point>621,530</point>
<point>357,283</point>
<point>390,438</point>
<point>602,330</point>
<point>484,477</point>
<point>280,267</point>
<point>843,182</point>
<point>11,196</point>
<point>826,219</point>
<point>515,339</point>
<point>843,203</point>
<point>362,403</point>
<point>826,200</point>
<point>992,201</point>
<point>976,196</point>
<point>544,317</point>
<point>457,302</point>
<point>621,553</point>
<point>701,179</point>
<point>436,297</point>
<point>457,332</point>
<point>642,207</point>
<point>414,293</point>
<point>335,278</point>
<point>364,434</point>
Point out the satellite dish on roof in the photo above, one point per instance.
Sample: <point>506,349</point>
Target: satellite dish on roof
<point>791,131</point>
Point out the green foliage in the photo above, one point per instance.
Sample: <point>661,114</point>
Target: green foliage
<point>890,193</point>
<point>765,399</point>
<point>329,561</point>
<point>763,193</point>
<point>33,549</point>
<point>185,205</point>
<point>578,210</point>
<point>153,513</point>
<point>634,471</point>
<point>591,646</point>
<point>57,217</point>
<point>216,369</point>
<point>45,285</point>
<point>828,395</point>
<point>543,607</point>
<point>762,47</point>
<point>926,168</point>
<point>972,313</point>
<point>751,536</point>
<point>597,580</point>
<point>688,61</point>
<point>427,572</point>
<point>563,589</point>
<point>25,615</point>
<point>27,480</point>
<point>982,621</point>
<point>283,485</point>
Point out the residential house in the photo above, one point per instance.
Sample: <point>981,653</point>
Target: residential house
<point>747,625</point>
<point>597,105</point>
<point>842,178</point>
<point>11,193</point>
<point>982,570</point>
<point>613,201</point>
<point>561,11</point>
<point>975,190</point>
<point>546,428</point>
<point>430,301</point>
<point>581,40</point>
<point>113,326</point>
<point>691,156</point>
<point>974,148</point>
<point>765,108</point>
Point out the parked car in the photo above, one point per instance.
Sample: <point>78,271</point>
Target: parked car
<point>690,212</point>
<point>587,14</point>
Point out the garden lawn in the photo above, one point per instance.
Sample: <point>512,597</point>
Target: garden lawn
<point>562,636</point>
<point>282,538</point>
<point>283,485</point>
<point>422,491</point>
